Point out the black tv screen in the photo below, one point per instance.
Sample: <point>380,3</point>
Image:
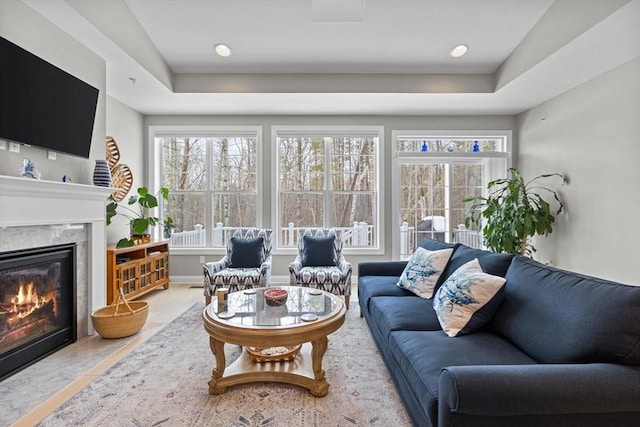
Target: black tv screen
<point>42,105</point>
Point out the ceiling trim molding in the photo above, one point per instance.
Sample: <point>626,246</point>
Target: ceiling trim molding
<point>333,83</point>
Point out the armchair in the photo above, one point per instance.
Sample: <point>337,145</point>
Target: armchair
<point>246,265</point>
<point>320,263</point>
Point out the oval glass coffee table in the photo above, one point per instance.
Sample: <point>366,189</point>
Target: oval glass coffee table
<point>280,343</point>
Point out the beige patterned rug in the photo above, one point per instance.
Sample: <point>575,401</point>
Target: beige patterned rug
<point>164,383</point>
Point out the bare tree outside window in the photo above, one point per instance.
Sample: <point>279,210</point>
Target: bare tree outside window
<point>328,181</point>
<point>212,183</point>
<point>435,176</point>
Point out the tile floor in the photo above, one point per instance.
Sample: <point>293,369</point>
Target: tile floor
<point>33,393</point>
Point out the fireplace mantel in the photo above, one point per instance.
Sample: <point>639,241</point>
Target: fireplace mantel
<point>28,202</point>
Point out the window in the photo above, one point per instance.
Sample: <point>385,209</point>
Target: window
<point>212,177</point>
<point>328,177</point>
<point>433,174</point>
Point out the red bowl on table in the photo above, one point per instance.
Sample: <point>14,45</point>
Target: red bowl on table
<point>275,297</point>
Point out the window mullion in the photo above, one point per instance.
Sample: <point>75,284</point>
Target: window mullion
<point>448,196</point>
<point>209,225</point>
<point>328,187</point>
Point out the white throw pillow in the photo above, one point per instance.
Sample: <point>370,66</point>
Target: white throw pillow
<point>423,270</point>
<point>468,299</point>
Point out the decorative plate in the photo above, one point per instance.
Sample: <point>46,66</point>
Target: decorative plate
<point>273,354</point>
<point>113,152</point>
<point>122,179</point>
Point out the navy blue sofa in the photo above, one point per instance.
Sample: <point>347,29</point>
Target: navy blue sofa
<point>563,349</point>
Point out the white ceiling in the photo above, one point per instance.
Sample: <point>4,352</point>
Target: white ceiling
<point>348,56</point>
<point>280,36</point>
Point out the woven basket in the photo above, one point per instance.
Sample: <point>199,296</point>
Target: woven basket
<point>121,178</point>
<point>110,323</point>
<point>113,152</point>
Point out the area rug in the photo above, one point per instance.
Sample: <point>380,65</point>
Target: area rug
<point>164,383</point>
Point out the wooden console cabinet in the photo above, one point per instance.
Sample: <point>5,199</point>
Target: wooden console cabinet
<point>137,270</point>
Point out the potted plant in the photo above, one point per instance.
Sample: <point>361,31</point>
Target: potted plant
<point>140,220</point>
<point>167,227</point>
<point>513,212</point>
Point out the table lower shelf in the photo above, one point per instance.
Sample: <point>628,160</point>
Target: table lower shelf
<point>297,372</point>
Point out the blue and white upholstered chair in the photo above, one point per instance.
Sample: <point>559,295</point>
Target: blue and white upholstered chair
<point>246,265</point>
<point>320,263</point>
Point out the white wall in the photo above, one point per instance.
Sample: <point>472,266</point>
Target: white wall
<point>591,135</point>
<point>188,265</point>
<point>23,26</point>
<point>125,125</point>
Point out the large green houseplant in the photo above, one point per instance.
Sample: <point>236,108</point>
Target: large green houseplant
<point>513,212</point>
<point>139,220</point>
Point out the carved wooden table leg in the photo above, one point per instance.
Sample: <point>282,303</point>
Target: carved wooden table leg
<point>319,347</point>
<point>217,348</point>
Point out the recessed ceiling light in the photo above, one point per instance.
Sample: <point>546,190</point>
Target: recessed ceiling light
<point>459,50</point>
<point>222,50</point>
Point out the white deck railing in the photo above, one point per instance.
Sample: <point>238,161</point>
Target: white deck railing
<point>410,237</point>
<point>358,235</point>
<point>195,237</point>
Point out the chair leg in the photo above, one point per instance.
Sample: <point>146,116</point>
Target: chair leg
<point>207,300</point>
<point>346,300</point>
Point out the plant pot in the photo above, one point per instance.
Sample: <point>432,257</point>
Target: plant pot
<point>140,238</point>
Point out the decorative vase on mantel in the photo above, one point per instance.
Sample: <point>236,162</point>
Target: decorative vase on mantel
<point>102,174</point>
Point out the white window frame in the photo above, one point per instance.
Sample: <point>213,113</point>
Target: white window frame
<point>155,162</point>
<point>494,170</point>
<point>377,131</point>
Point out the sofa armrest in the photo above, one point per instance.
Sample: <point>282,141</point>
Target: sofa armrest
<point>294,270</point>
<point>265,270</point>
<point>216,266</point>
<point>381,268</point>
<point>344,266</point>
<point>469,394</point>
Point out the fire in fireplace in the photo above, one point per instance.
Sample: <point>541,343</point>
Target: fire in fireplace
<point>37,304</point>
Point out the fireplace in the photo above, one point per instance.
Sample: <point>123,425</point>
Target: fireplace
<point>37,304</point>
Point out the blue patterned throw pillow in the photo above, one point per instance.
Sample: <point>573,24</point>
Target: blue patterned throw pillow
<point>319,251</point>
<point>247,253</point>
<point>421,274</point>
<point>468,299</point>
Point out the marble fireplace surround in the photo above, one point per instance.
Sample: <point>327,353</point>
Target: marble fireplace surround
<point>35,213</point>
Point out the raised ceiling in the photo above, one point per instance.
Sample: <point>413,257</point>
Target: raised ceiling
<point>348,56</point>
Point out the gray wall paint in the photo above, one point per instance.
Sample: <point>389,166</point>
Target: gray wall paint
<point>125,125</point>
<point>23,26</point>
<point>189,265</point>
<point>591,134</point>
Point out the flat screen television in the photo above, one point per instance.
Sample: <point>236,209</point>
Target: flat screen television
<point>42,105</point>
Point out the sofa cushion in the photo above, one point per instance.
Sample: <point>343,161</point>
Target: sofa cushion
<point>413,314</point>
<point>373,286</point>
<point>558,316</point>
<point>319,251</point>
<point>468,299</point>
<point>436,245</point>
<point>421,355</point>
<point>247,253</point>
<point>421,274</point>
<point>493,263</point>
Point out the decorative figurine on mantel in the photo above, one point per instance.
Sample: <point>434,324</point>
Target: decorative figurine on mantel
<point>28,170</point>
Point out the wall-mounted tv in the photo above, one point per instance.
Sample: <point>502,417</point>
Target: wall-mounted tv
<point>42,105</point>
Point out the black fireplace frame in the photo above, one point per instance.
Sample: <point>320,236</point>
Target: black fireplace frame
<point>27,354</point>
